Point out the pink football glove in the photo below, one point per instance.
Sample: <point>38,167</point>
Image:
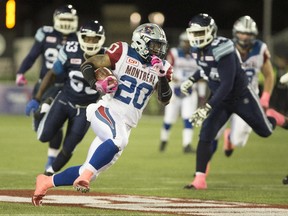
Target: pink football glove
<point>108,85</point>
<point>20,80</point>
<point>157,64</point>
<point>264,100</point>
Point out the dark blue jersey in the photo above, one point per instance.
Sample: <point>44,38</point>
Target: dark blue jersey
<point>221,65</point>
<point>76,88</point>
<point>47,43</point>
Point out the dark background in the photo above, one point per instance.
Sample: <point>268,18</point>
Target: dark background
<point>32,14</point>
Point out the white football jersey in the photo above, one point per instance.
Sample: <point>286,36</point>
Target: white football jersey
<point>136,82</point>
<point>183,64</point>
<point>254,62</point>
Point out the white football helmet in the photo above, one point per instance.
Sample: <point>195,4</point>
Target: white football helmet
<point>66,19</point>
<point>201,31</point>
<point>245,25</point>
<point>184,41</point>
<point>91,29</point>
<point>149,39</point>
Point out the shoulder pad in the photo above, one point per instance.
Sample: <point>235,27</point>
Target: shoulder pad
<point>221,47</point>
<point>40,35</point>
<point>48,29</point>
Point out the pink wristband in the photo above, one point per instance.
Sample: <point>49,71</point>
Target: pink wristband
<point>265,96</point>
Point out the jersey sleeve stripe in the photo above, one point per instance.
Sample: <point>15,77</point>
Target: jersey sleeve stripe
<point>223,50</point>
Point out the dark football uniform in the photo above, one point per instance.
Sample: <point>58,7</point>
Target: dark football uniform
<point>231,93</point>
<point>70,104</point>
<point>47,44</point>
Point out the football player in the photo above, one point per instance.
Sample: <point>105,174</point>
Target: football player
<point>255,58</point>
<point>183,67</point>
<point>229,85</point>
<point>48,41</point>
<point>70,104</point>
<point>140,71</point>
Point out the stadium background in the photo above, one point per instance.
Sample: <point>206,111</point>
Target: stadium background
<point>270,16</point>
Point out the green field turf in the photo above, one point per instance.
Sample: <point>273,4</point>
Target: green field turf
<point>253,174</point>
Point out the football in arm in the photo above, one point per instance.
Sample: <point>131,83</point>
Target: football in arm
<point>102,72</point>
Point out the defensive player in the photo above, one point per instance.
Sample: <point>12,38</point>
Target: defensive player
<point>255,58</point>
<point>183,67</point>
<point>140,70</point>
<point>70,104</point>
<point>48,41</point>
<point>231,92</point>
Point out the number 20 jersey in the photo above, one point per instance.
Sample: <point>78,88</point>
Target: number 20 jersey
<point>136,82</point>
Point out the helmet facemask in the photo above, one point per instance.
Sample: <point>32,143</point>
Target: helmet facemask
<point>91,37</point>
<point>245,32</point>
<point>91,44</point>
<point>201,31</point>
<point>66,20</point>
<point>149,39</point>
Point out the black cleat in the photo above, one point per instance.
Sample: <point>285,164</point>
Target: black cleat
<point>188,149</point>
<point>285,180</point>
<point>189,187</point>
<point>228,153</point>
<point>48,173</point>
<point>162,146</point>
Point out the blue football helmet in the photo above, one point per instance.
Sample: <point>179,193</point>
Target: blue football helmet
<point>201,30</point>
<point>95,30</point>
<point>245,25</point>
<point>149,39</point>
<point>65,19</point>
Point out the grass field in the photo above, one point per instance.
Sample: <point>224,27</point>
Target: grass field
<point>253,174</point>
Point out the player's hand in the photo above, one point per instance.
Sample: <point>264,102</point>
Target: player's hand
<point>108,85</point>
<point>32,106</point>
<point>20,80</point>
<point>264,100</point>
<point>284,78</point>
<point>200,115</point>
<point>186,86</point>
<point>157,64</point>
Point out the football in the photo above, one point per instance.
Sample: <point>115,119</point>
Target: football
<point>102,72</point>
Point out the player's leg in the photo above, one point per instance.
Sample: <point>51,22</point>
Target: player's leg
<point>112,138</point>
<point>76,130</point>
<point>55,142</point>
<point>44,183</point>
<point>214,147</point>
<point>240,131</point>
<point>253,114</point>
<point>45,103</point>
<point>210,127</point>
<point>171,113</point>
<point>188,106</point>
<point>104,151</point>
<point>237,135</point>
<point>54,148</point>
<point>50,128</point>
<point>216,140</point>
<point>281,120</point>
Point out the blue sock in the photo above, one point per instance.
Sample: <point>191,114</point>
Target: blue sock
<point>166,126</point>
<point>103,154</point>
<point>187,124</point>
<point>67,177</point>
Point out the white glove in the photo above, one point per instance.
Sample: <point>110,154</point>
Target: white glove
<point>284,78</point>
<point>186,86</point>
<point>200,115</point>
